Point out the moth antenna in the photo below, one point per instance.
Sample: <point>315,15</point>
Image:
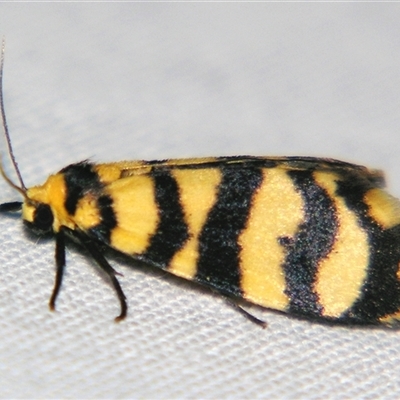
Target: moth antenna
<point>22,188</point>
<point>10,182</point>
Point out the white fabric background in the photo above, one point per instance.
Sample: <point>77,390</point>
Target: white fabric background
<point>157,80</point>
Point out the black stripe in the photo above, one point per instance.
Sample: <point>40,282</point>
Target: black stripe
<point>102,231</point>
<point>156,162</point>
<point>235,161</point>
<point>79,178</point>
<point>312,243</point>
<point>293,162</point>
<point>172,232</point>
<point>219,264</point>
<point>380,294</point>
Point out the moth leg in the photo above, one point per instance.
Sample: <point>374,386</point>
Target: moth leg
<point>247,314</point>
<point>93,250</point>
<point>11,207</point>
<point>60,265</point>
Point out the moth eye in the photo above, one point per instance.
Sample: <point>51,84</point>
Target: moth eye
<point>43,217</point>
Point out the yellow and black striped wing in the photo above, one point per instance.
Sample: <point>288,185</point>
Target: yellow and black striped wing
<point>307,236</point>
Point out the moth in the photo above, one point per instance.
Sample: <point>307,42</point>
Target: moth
<point>312,237</point>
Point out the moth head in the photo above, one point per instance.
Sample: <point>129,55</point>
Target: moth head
<point>41,204</point>
<point>43,209</point>
<point>38,216</point>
